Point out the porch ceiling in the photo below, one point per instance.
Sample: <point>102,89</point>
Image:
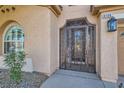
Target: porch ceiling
<point>56,9</point>
<point>97,9</point>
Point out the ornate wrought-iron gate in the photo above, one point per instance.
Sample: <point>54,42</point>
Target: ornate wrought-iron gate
<point>77,46</point>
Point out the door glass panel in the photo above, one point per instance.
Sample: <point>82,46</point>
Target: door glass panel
<point>77,45</point>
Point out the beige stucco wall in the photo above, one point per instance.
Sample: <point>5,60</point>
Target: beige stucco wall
<point>78,11</point>
<point>54,43</point>
<point>81,11</point>
<point>35,21</point>
<point>108,51</point>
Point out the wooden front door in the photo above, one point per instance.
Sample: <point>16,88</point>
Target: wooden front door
<point>121,51</point>
<point>77,48</point>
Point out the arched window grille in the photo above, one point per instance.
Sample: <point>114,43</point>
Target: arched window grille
<point>14,39</point>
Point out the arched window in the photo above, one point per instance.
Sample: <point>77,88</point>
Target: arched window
<point>13,39</point>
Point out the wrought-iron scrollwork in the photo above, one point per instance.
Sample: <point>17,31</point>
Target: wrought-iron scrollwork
<point>77,44</point>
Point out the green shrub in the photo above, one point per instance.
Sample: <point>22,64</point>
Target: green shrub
<point>15,62</point>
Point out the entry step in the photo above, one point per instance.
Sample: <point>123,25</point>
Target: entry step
<point>78,74</point>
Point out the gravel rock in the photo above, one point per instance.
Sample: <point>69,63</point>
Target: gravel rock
<point>29,80</point>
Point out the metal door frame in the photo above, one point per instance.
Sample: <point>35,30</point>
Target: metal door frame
<point>79,26</point>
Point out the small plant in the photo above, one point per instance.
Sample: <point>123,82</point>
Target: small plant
<point>15,62</point>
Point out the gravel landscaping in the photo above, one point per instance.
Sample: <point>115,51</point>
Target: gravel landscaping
<point>29,80</point>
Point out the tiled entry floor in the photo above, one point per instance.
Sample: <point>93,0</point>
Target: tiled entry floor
<point>73,79</point>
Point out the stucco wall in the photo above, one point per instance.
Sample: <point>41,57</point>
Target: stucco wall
<point>54,43</point>
<point>80,11</point>
<point>35,21</point>
<point>108,51</point>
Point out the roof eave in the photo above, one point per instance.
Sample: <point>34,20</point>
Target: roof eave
<point>96,10</point>
<point>54,8</point>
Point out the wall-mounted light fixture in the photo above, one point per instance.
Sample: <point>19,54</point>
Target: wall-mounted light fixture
<point>112,24</point>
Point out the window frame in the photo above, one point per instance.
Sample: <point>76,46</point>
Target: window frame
<point>5,32</point>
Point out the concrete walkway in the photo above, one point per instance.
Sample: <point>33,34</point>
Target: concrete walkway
<point>73,79</point>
